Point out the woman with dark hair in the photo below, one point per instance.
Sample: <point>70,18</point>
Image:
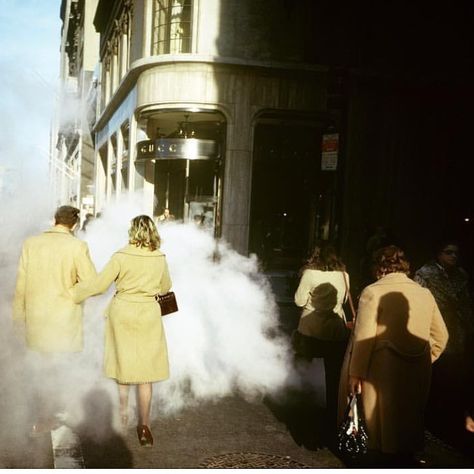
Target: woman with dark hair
<point>448,282</point>
<point>322,290</point>
<point>398,334</point>
<point>135,343</point>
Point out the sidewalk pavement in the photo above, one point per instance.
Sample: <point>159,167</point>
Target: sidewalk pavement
<point>230,432</point>
<point>239,434</point>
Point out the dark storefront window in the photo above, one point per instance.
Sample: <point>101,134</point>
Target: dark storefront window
<point>284,193</point>
<point>172,26</point>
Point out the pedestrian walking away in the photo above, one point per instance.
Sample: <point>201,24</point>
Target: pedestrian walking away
<point>44,313</point>
<point>135,343</point>
<point>322,290</point>
<point>399,333</point>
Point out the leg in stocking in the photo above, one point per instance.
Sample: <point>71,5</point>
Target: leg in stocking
<point>123,398</point>
<point>144,392</point>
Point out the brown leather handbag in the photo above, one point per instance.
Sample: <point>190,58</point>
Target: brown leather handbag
<point>167,303</point>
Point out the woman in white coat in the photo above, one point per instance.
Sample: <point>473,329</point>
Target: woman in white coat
<point>322,290</point>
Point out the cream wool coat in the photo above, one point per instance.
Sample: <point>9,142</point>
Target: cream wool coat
<point>135,343</point>
<point>399,332</point>
<point>319,293</point>
<point>50,264</point>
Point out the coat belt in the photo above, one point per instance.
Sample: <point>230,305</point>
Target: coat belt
<point>134,298</point>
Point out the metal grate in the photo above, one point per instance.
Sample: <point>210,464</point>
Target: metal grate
<point>252,461</point>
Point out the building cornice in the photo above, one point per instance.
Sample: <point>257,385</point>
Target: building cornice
<point>142,64</point>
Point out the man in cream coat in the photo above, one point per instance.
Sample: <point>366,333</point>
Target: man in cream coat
<point>43,310</point>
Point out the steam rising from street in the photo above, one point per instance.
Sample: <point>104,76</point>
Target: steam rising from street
<point>225,337</point>
<point>224,340</point>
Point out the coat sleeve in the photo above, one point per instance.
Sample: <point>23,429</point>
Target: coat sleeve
<point>165,283</point>
<point>97,284</point>
<point>420,279</point>
<point>19,297</point>
<point>364,334</point>
<point>84,267</point>
<point>304,289</point>
<point>438,333</point>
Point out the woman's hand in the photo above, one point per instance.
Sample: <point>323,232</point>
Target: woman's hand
<point>355,385</point>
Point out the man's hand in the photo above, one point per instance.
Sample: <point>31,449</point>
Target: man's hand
<point>355,385</point>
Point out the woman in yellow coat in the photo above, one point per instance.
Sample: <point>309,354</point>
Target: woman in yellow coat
<point>135,343</point>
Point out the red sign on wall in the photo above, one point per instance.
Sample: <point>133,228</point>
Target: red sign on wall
<point>329,152</point>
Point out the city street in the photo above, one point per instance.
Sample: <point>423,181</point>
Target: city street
<point>228,433</point>
<point>278,431</point>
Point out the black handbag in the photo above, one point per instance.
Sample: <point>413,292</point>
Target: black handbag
<point>167,303</point>
<point>352,438</point>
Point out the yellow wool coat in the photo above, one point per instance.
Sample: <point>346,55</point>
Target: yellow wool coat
<point>398,333</point>
<point>135,343</point>
<point>50,264</point>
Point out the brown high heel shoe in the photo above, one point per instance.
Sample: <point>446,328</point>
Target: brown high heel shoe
<point>144,435</point>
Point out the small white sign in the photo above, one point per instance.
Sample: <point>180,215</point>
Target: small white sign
<point>329,152</point>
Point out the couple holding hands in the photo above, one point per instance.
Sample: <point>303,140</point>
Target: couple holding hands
<point>55,274</point>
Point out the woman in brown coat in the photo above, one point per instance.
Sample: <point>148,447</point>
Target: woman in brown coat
<point>135,343</point>
<point>399,333</point>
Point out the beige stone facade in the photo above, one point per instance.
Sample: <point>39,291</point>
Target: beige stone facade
<point>220,87</point>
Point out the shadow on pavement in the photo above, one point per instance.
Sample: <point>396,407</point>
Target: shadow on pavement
<point>101,445</point>
<point>304,419</point>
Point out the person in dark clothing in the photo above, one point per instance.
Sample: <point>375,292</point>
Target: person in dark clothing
<point>449,395</point>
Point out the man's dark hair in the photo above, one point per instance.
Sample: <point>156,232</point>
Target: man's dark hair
<point>67,216</point>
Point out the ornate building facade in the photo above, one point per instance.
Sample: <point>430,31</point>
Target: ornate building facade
<point>210,109</point>
<point>277,123</point>
<point>72,150</point>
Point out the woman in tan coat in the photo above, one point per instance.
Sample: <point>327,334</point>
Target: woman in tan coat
<point>135,343</point>
<point>399,333</point>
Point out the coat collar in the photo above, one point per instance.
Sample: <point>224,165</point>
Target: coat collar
<point>140,252</point>
<point>393,278</point>
<point>59,229</point>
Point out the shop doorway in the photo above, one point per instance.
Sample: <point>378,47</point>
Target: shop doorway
<point>188,189</point>
<point>285,195</point>
<point>186,148</point>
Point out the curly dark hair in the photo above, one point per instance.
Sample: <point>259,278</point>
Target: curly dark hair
<point>390,259</point>
<point>325,258</point>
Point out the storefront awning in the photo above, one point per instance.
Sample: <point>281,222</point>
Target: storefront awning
<point>177,149</point>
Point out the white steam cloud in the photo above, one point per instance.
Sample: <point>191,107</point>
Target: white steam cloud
<point>225,337</point>
<point>224,340</point>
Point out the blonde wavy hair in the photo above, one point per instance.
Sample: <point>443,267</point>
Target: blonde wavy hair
<point>143,233</point>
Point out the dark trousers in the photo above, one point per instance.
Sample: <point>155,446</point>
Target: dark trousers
<point>449,398</point>
<point>332,353</point>
<point>333,357</point>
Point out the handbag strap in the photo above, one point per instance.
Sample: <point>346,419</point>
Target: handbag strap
<point>348,293</point>
<point>352,415</point>
<point>355,415</point>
